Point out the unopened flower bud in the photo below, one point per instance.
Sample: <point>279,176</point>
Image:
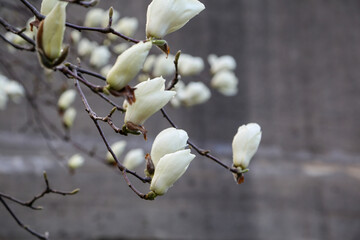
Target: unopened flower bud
<point>75,161</point>
<point>69,117</point>
<point>169,169</point>
<point>245,144</point>
<point>134,158</point>
<point>225,82</point>
<point>150,96</point>
<point>117,148</point>
<point>66,99</point>
<point>47,6</point>
<point>166,16</point>
<point>168,141</point>
<point>127,65</point>
<point>53,31</point>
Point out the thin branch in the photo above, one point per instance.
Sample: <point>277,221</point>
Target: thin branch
<point>205,153</point>
<point>105,30</point>
<point>20,223</point>
<point>30,49</point>
<point>16,31</point>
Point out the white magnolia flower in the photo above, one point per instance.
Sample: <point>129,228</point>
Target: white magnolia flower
<point>105,70</point>
<point>128,65</point>
<point>217,64</point>
<point>150,98</point>
<point>194,93</point>
<point>69,117</point>
<point>167,141</point>
<point>75,161</point>
<point>126,26</point>
<point>164,66</point>
<point>75,36</point>
<point>66,99</point>
<point>14,90</point>
<point>120,48</point>
<point>149,63</point>
<point>245,144</point>
<point>226,82</point>
<point>118,148</point>
<point>166,16</point>
<point>169,169</point>
<point>100,56</point>
<point>47,6</point>
<point>95,17</point>
<point>85,47</point>
<point>53,31</point>
<point>189,65</point>
<point>134,158</point>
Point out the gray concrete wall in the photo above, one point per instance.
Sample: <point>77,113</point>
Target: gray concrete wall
<point>298,69</point>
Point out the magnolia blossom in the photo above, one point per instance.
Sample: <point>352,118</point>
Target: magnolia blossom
<point>225,62</point>
<point>127,65</point>
<point>245,144</point>
<point>164,66</point>
<point>75,161</point>
<point>14,90</point>
<point>169,169</point>
<point>85,47</point>
<point>47,6</point>
<point>66,99</point>
<point>166,16</point>
<point>189,65</point>
<point>120,48</point>
<point>100,56</point>
<point>126,26</point>
<point>150,98</point>
<point>168,141</point>
<point>53,31</point>
<point>226,82</point>
<point>94,17</point>
<point>149,63</point>
<point>194,93</point>
<point>69,117</point>
<point>134,158</point>
<point>117,148</point>
<point>75,36</point>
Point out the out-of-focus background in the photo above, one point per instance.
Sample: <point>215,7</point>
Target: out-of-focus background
<point>298,66</point>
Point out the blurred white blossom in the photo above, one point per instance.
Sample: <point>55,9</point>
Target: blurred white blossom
<point>100,56</point>
<point>217,64</point>
<point>190,65</point>
<point>134,158</point>
<point>225,82</point>
<point>118,149</point>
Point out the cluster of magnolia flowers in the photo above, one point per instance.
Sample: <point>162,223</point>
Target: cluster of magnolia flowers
<point>169,157</point>
<point>10,89</point>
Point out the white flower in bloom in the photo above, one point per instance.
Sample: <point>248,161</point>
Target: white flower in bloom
<point>53,31</point>
<point>95,17</point>
<point>226,82</point>
<point>47,6</point>
<point>194,93</point>
<point>105,70</point>
<point>245,144</point>
<point>134,158</point>
<point>149,63</point>
<point>217,64</point>
<point>169,169</point>
<point>150,98</point>
<point>128,65</point>
<point>118,148</point>
<point>69,117</point>
<point>164,66</point>
<point>120,48</point>
<point>189,65</point>
<point>66,99</point>
<point>14,90</point>
<point>75,161</point>
<point>75,36</point>
<point>166,16</point>
<point>85,47</point>
<point>126,26</point>
<point>168,141</point>
<point>100,56</point>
